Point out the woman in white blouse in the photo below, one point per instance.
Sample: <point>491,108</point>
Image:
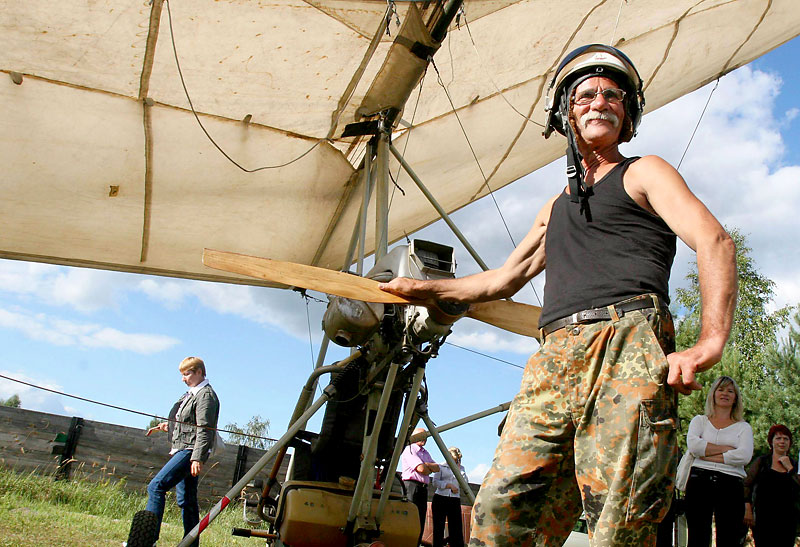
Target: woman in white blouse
<point>446,502</point>
<point>722,444</point>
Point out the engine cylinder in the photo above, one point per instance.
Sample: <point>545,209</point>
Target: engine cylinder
<point>349,322</point>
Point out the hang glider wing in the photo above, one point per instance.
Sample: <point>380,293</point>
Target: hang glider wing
<point>104,164</point>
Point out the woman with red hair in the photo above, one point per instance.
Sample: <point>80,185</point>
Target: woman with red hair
<point>771,488</point>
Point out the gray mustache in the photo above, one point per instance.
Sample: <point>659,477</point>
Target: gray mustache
<point>602,115</point>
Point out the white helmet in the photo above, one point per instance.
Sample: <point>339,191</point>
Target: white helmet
<point>586,62</point>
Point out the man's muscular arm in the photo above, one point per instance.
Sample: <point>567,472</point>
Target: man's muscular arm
<point>665,193</point>
<point>527,261</point>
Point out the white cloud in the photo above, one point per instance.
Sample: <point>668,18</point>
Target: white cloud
<point>277,308</point>
<point>88,291</point>
<point>492,340</point>
<point>169,292</point>
<point>83,289</point>
<point>32,398</point>
<point>61,332</point>
<point>477,473</point>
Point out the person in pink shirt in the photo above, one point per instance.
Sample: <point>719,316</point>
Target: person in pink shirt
<point>417,465</point>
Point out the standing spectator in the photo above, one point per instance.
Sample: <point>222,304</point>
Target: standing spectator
<point>722,443</point>
<point>771,489</point>
<point>193,420</point>
<point>417,466</point>
<point>447,502</point>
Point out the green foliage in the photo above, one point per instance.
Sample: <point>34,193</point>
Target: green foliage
<point>12,401</point>
<point>36,510</point>
<point>249,435</point>
<point>153,422</point>
<point>102,497</point>
<point>753,355</point>
<point>778,398</point>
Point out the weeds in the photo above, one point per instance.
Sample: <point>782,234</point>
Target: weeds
<point>100,498</point>
<point>37,510</point>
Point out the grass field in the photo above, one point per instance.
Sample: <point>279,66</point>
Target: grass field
<point>36,510</point>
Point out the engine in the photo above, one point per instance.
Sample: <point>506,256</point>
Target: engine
<point>352,322</point>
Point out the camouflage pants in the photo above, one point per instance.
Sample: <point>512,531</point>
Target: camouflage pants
<point>594,421</point>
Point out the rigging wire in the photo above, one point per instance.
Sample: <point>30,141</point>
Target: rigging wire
<point>475,156</point>
<point>698,123</point>
<point>409,133</point>
<point>450,44</point>
<point>131,410</point>
<point>614,33</point>
<point>208,135</point>
<point>310,340</point>
<point>485,355</point>
<point>488,74</point>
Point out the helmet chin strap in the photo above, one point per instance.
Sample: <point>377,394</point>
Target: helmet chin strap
<point>579,191</point>
<point>575,171</point>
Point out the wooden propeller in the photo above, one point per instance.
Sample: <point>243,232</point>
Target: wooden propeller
<point>511,316</point>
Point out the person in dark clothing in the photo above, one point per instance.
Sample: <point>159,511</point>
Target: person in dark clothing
<point>771,491</point>
<point>594,426</point>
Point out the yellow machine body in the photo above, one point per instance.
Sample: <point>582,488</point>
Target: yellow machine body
<point>314,514</point>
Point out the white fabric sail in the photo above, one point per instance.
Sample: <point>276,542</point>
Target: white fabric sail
<point>104,164</point>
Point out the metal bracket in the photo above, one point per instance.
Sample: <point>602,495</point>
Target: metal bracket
<point>67,450</point>
<point>241,463</point>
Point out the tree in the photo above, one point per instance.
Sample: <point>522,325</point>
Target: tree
<point>253,434</point>
<point>12,401</point>
<point>779,395</point>
<point>153,422</point>
<point>749,355</point>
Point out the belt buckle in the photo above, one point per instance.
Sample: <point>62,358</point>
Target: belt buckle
<point>574,319</point>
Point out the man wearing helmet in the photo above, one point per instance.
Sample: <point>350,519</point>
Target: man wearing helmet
<point>593,427</point>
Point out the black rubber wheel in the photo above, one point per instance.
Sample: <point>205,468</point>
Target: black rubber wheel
<point>144,529</point>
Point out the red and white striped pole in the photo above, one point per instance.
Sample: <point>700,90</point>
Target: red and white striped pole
<point>300,423</point>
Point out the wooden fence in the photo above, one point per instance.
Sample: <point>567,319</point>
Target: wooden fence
<point>33,441</point>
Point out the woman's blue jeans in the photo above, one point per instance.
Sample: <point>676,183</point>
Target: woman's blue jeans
<point>176,473</point>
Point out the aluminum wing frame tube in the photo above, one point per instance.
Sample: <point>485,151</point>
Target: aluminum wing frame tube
<point>362,225</point>
<point>465,420</point>
<point>438,207</point>
<point>423,413</point>
<point>382,197</point>
<point>359,236</point>
<point>361,505</point>
<point>399,444</point>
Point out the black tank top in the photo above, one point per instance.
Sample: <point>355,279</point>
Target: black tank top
<point>613,251</point>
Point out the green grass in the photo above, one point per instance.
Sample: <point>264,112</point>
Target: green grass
<point>36,510</point>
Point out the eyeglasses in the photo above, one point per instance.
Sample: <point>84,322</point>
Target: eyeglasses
<point>611,95</point>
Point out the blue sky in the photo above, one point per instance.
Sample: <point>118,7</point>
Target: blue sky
<point>118,338</point>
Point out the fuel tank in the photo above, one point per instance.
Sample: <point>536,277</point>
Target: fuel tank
<point>312,515</point>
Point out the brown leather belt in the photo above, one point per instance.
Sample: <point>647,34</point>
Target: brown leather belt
<point>601,314</point>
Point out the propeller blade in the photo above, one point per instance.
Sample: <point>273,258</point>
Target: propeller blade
<point>511,316</point>
<point>300,275</point>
